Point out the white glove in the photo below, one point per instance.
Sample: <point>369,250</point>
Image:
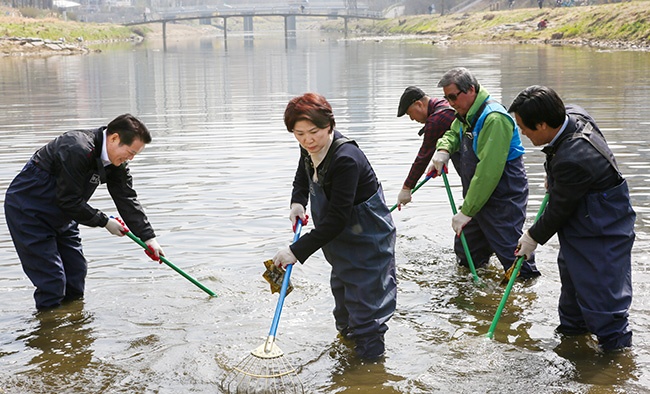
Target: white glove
<point>284,257</point>
<point>404,197</point>
<point>154,251</point>
<point>545,182</point>
<point>114,227</point>
<point>525,246</point>
<point>297,211</point>
<point>439,160</point>
<point>459,221</point>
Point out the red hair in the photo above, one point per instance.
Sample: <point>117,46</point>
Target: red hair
<point>312,107</point>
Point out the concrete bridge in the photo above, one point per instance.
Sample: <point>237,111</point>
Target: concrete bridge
<point>289,13</point>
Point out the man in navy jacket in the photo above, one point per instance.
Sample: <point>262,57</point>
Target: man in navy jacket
<point>48,199</point>
<point>589,208</point>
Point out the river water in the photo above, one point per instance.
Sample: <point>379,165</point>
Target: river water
<point>216,182</point>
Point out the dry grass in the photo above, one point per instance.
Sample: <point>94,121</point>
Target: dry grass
<point>73,36</point>
<point>627,22</point>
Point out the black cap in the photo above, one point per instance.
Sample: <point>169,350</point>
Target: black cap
<point>410,95</point>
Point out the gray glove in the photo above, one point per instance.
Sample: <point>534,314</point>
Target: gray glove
<point>297,212</point>
<point>404,197</point>
<point>155,251</point>
<point>526,246</point>
<point>439,160</point>
<point>284,257</point>
<point>459,221</point>
<point>114,227</point>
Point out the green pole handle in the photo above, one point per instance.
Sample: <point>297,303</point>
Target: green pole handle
<point>430,175</point>
<point>172,266</point>
<point>470,262</point>
<point>513,277</point>
<point>422,182</point>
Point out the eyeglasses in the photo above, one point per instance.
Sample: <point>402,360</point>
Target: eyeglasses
<point>453,96</point>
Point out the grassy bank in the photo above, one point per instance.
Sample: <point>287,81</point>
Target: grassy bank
<point>12,24</point>
<point>55,29</point>
<point>49,35</point>
<point>627,22</point>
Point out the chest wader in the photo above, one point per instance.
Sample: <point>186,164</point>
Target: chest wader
<point>595,261</point>
<point>497,227</point>
<point>46,241</point>
<point>363,266</point>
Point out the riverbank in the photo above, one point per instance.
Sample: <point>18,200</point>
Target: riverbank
<point>21,36</point>
<point>621,25</point>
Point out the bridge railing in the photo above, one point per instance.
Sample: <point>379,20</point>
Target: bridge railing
<point>214,12</point>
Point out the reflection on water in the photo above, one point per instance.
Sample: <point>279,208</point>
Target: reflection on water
<point>352,375</point>
<point>593,366</point>
<point>58,348</point>
<point>349,374</point>
<point>63,339</point>
<point>216,181</point>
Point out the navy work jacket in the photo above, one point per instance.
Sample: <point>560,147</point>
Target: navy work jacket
<point>74,159</point>
<point>574,168</point>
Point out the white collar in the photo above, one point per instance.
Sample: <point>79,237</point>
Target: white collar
<point>105,161</point>
<point>566,121</point>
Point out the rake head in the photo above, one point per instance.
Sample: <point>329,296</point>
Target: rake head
<point>264,370</point>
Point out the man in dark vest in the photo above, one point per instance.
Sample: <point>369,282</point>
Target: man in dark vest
<point>589,208</point>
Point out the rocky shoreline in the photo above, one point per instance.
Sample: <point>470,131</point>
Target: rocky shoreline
<point>597,44</point>
<point>22,46</point>
<point>34,46</point>
<point>444,40</point>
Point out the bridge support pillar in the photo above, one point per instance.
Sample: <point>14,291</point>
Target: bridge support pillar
<point>225,28</point>
<point>248,26</point>
<point>290,26</point>
<point>345,29</point>
<point>164,28</point>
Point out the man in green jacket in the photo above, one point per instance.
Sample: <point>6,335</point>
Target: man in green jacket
<point>491,168</point>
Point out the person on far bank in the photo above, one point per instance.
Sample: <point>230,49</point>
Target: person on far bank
<point>590,210</point>
<point>352,224</point>
<point>48,199</point>
<point>543,24</point>
<point>437,116</point>
<point>491,168</point>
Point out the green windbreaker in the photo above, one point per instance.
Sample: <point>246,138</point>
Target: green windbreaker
<point>492,149</point>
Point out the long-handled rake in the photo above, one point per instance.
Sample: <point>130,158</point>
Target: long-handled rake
<point>513,276</point>
<point>265,369</point>
<point>137,240</point>
<point>463,241</point>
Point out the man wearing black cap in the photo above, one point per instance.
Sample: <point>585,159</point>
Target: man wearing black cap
<point>437,116</point>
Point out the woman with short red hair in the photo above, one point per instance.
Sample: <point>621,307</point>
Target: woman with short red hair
<point>352,224</point>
